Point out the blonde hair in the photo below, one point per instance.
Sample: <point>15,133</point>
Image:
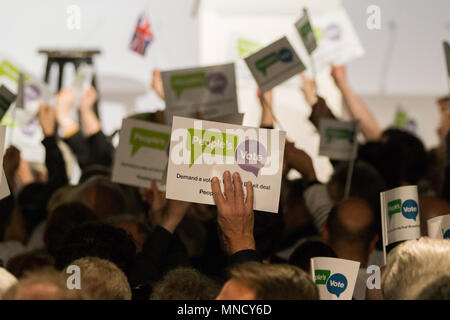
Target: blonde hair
<point>413,265</point>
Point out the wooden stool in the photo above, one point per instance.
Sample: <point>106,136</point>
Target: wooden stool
<point>74,56</point>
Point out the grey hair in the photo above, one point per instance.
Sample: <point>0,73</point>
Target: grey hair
<point>413,265</point>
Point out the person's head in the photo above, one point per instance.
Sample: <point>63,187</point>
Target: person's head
<point>97,240</point>
<point>7,280</point>
<point>132,226</point>
<point>26,262</point>
<point>403,159</point>
<point>63,219</point>
<point>60,197</point>
<point>102,196</point>
<point>351,230</point>
<point>301,257</point>
<point>185,284</point>
<point>431,207</point>
<point>437,290</point>
<point>45,284</point>
<point>366,184</point>
<point>257,281</point>
<point>93,171</point>
<point>413,265</point>
<point>102,280</point>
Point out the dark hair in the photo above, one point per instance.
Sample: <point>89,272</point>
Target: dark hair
<point>339,232</point>
<point>28,262</point>
<point>301,257</point>
<point>185,284</point>
<point>6,209</point>
<point>104,197</point>
<point>97,240</point>
<point>32,205</point>
<point>267,230</point>
<point>399,157</point>
<point>62,220</point>
<point>366,182</point>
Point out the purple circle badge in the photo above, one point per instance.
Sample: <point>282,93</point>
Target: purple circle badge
<point>217,82</point>
<point>251,156</point>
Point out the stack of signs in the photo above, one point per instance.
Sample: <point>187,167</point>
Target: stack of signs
<point>399,215</point>
<point>6,99</point>
<point>234,118</point>
<point>338,139</point>
<point>439,227</point>
<point>200,150</point>
<point>142,153</point>
<point>305,30</point>
<point>335,278</point>
<point>4,188</point>
<point>205,92</point>
<point>274,64</point>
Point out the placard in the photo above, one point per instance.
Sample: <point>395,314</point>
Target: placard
<point>439,227</point>
<point>335,278</point>
<point>200,150</point>
<point>204,92</point>
<point>274,64</point>
<point>400,215</point>
<point>141,155</point>
<point>338,139</point>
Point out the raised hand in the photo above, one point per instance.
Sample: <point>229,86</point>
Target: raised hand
<point>235,214</point>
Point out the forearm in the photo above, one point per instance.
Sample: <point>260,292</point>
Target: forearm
<point>360,111</point>
<point>90,122</point>
<point>56,166</point>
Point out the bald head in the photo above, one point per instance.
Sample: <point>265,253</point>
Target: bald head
<point>351,227</point>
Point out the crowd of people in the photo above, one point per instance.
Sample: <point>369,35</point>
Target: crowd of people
<point>130,243</point>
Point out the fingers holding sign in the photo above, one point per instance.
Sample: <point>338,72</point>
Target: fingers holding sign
<point>235,213</point>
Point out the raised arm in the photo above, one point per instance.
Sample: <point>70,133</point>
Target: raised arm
<point>357,107</point>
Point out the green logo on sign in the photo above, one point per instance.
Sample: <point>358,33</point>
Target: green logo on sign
<point>339,134</point>
<point>210,142</point>
<point>181,82</point>
<point>143,138</point>
<point>322,276</point>
<point>394,207</point>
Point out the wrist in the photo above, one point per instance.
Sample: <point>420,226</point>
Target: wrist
<point>242,243</point>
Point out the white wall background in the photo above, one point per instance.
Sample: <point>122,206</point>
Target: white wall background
<point>404,58</point>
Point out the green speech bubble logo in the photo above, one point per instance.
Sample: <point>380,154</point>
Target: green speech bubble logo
<point>143,138</point>
<point>210,142</point>
<point>264,63</point>
<point>181,82</point>
<point>322,276</point>
<point>11,72</point>
<point>395,206</point>
<point>339,133</point>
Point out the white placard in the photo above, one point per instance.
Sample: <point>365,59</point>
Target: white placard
<point>338,139</point>
<point>141,155</point>
<point>274,64</point>
<point>204,92</point>
<point>200,150</point>
<point>400,215</point>
<point>335,278</point>
<point>439,227</point>
<point>337,40</point>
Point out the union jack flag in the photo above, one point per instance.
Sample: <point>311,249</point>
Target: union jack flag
<point>142,36</point>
